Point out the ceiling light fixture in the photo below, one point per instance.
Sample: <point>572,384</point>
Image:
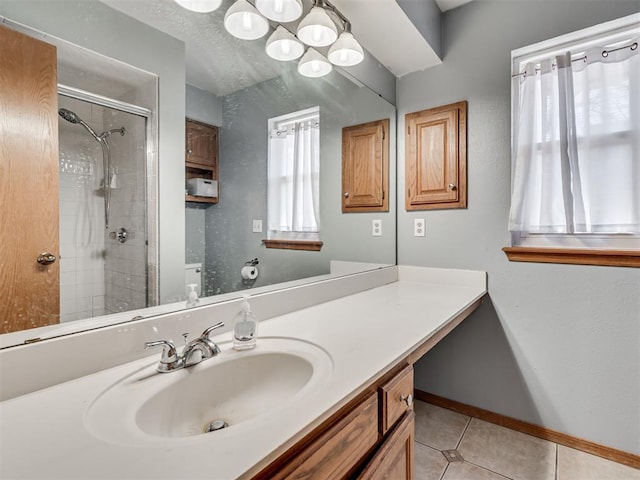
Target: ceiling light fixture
<point>243,21</point>
<point>200,6</point>
<point>313,64</point>
<point>346,51</point>
<point>317,29</point>
<point>280,10</point>
<point>283,45</point>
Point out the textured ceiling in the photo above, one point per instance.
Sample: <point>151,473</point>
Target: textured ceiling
<point>221,64</point>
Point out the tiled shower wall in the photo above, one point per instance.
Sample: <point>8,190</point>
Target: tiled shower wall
<point>99,275</point>
<point>82,239</point>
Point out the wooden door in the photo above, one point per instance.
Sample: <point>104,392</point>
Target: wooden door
<point>394,460</point>
<point>436,158</point>
<point>365,167</point>
<point>29,291</point>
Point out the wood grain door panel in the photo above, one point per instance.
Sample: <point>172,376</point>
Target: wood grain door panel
<point>29,292</point>
<point>436,158</point>
<point>395,458</point>
<point>365,159</point>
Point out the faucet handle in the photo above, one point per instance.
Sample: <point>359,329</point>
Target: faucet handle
<point>208,331</point>
<point>169,359</point>
<point>204,337</point>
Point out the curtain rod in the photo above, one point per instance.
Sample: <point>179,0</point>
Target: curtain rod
<point>605,54</point>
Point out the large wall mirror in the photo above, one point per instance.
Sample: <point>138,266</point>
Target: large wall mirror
<point>128,74</point>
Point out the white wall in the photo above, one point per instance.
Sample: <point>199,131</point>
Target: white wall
<point>101,29</point>
<point>556,345</point>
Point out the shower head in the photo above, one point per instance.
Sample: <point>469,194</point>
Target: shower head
<point>69,116</point>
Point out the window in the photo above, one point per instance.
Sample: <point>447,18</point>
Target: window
<point>293,181</point>
<point>576,147</point>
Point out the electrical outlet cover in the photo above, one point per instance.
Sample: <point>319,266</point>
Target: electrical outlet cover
<point>418,227</point>
<point>376,228</point>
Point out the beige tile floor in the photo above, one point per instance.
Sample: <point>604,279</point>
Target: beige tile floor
<point>491,452</point>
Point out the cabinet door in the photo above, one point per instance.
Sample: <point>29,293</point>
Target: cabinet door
<point>436,158</point>
<point>394,459</point>
<point>201,144</point>
<point>338,450</point>
<point>365,167</point>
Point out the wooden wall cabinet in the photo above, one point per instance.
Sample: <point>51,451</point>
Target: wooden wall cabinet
<point>369,439</point>
<point>436,158</point>
<point>201,155</point>
<point>365,167</point>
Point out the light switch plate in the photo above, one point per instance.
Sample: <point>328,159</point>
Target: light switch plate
<point>257,226</point>
<point>418,227</point>
<point>376,228</point>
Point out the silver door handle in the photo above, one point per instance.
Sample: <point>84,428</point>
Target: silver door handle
<point>46,258</point>
<point>452,186</point>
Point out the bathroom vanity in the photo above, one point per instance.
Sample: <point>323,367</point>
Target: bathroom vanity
<point>327,392</point>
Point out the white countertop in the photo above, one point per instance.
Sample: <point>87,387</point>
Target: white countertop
<point>43,434</point>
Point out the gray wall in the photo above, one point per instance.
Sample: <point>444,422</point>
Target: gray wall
<point>203,106</point>
<point>555,345</point>
<point>101,29</point>
<point>207,108</point>
<point>243,187</point>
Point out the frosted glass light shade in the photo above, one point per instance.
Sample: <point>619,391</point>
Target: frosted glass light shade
<point>313,64</point>
<point>243,21</point>
<point>200,6</point>
<point>346,52</point>
<point>280,10</point>
<point>317,29</point>
<point>283,46</point>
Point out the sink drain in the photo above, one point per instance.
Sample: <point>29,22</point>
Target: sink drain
<point>216,425</point>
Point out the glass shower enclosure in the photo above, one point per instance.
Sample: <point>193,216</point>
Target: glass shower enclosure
<point>103,209</point>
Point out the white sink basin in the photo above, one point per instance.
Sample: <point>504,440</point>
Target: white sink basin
<point>239,388</point>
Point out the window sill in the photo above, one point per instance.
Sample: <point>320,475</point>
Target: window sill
<point>613,258</point>
<point>309,245</point>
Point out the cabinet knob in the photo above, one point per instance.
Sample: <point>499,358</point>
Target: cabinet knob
<point>189,152</point>
<point>46,258</point>
<point>452,186</point>
<point>408,399</point>
<point>346,194</point>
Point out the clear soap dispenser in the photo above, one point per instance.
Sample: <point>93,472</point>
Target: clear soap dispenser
<point>192,297</point>
<point>245,327</point>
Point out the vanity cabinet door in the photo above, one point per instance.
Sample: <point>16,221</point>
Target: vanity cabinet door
<point>394,459</point>
<point>339,449</point>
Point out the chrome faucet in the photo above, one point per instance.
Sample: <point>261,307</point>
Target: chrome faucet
<point>194,352</point>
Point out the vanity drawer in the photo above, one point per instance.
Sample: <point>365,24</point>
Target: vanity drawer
<point>339,449</point>
<point>396,398</point>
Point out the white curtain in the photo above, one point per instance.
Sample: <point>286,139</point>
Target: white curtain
<point>576,144</point>
<point>294,170</point>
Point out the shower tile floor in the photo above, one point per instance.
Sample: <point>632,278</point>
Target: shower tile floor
<point>452,446</point>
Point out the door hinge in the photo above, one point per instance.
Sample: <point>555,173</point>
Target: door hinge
<point>409,130</point>
<point>383,134</point>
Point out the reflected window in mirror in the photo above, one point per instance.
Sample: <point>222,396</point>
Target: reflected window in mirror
<point>294,181</point>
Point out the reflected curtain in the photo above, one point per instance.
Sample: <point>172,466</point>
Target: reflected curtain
<point>294,171</point>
